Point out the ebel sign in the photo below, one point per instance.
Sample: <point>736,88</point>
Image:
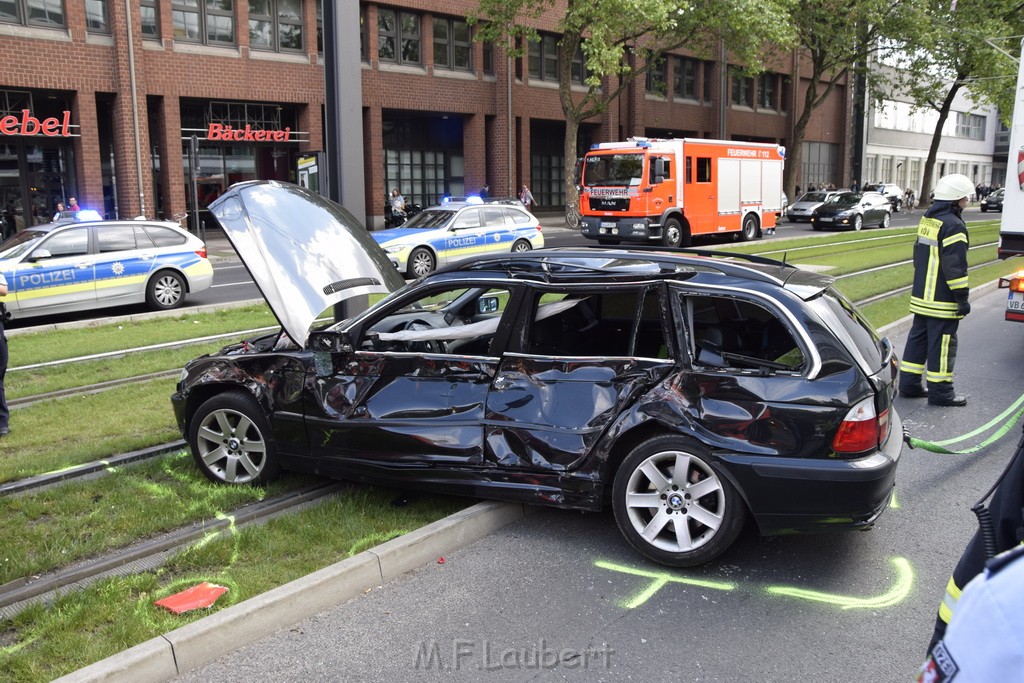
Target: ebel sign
<point>29,125</point>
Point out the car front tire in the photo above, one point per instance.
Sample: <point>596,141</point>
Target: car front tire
<point>858,222</point>
<point>673,503</point>
<point>165,290</point>
<point>230,440</point>
<point>885,220</point>
<point>421,262</point>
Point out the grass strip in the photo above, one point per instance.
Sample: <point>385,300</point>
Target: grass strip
<point>112,615</point>
<point>48,345</point>
<point>880,281</point>
<point>56,527</point>
<point>56,434</point>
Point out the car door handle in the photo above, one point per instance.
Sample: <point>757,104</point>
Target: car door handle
<point>85,264</point>
<point>147,257</point>
<point>501,383</point>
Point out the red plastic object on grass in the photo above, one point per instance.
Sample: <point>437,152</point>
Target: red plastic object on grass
<point>196,597</point>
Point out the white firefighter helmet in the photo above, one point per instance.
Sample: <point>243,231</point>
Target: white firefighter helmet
<point>953,187</point>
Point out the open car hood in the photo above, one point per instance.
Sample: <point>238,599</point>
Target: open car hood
<point>304,252</point>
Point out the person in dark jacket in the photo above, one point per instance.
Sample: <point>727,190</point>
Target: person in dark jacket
<point>939,297</point>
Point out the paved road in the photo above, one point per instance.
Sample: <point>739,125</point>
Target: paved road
<point>563,581</point>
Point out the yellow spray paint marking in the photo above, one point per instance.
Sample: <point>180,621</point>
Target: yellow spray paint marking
<point>658,581</point>
<point>895,595</point>
<point>893,503</point>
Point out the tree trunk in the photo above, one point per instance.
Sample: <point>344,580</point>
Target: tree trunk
<point>924,198</point>
<point>572,195</point>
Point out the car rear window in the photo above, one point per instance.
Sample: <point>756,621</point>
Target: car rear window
<point>851,327</point>
<point>165,237</point>
<point>115,238</point>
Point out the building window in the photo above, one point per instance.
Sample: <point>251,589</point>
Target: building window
<point>821,164</point>
<point>488,58</point>
<point>211,22</point>
<point>150,18</point>
<point>742,89</point>
<point>970,126</point>
<point>578,72</point>
<point>48,13</point>
<point>453,44</point>
<point>684,78</point>
<point>399,36</point>
<point>657,78</point>
<point>97,16</point>
<point>543,58</point>
<point>275,25</point>
<point>768,91</point>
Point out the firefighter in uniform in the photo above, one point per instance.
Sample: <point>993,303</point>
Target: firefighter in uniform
<point>939,298</point>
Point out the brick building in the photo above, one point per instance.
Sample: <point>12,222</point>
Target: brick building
<point>98,99</point>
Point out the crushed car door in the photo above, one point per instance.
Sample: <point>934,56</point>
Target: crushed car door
<point>581,357</point>
<point>414,389</point>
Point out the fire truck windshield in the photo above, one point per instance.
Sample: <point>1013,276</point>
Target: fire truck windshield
<point>606,170</point>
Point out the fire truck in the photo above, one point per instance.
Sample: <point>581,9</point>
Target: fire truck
<point>650,190</point>
<point>1011,231</point>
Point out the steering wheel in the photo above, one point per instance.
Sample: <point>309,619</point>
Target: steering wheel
<point>427,345</point>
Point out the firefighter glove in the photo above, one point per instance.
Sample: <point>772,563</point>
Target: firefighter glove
<point>963,306</point>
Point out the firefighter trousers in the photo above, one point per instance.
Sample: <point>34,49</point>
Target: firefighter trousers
<point>930,353</point>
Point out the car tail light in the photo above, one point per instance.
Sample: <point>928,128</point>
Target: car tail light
<point>538,227</point>
<point>862,429</point>
<point>201,252</point>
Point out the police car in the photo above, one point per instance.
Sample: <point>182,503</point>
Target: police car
<point>456,230</point>
<point>83,264</point>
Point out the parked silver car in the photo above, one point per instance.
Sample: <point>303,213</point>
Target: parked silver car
<point>803,208</point>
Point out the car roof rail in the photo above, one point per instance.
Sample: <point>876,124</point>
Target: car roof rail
<point>707,259</point>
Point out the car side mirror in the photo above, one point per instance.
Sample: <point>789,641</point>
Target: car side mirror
<point>487,304</point>
<point>330,342</point>
<point>39,255</point>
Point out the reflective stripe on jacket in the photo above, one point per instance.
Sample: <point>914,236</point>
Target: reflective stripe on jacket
<point>940,262</point>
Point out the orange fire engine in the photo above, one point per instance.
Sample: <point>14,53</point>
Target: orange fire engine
<point>665,191</point>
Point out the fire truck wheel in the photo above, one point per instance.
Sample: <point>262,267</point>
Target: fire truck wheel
<point>749,231</point>
<point>672,233</point>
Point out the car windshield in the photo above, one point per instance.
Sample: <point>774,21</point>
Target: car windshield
<point>613,169</point>
<point>843,199</point>
<point>430,219</point>
<point>16,245</point>
<point>814,197</point>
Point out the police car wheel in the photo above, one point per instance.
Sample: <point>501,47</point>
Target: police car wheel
<point>673,503</point>
<point>421,262</point>
<point>165,290</point>
<point>230,440</point>
<point>521,246</point>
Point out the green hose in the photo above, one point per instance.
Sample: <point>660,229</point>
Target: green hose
<point>939,446</point>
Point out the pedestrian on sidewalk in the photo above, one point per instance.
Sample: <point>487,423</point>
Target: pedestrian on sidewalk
<point>939,297</point>
<point>526,197</point>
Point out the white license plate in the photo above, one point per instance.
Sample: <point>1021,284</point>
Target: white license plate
<point>825,219</point>
<point>1015,302</point>
<point>608,224</point>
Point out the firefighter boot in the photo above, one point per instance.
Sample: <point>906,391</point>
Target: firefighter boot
<point>910,386</point>
<point>942,394</point>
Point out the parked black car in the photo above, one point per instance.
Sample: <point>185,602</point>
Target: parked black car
<point>686,390</point>
<point>852,210</point>
<point>890,191</point>
<point>993,202</point>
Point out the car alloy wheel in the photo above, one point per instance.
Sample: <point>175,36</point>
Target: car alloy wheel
<point>674,505</point>
<point>421,262</point>
<point>166,290</point>
<point>858,222</point>
<point>228,436</point>
<point>521,246</point>
<point>885,220</point>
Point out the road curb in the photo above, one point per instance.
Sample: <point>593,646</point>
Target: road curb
<point>902,325</point>
<point>199,643</point>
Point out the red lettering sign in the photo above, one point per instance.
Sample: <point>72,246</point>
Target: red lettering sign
<point>51,127</point>
<point>226,133</point>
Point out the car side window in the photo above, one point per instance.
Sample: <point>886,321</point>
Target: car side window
<point>621,323</point>
<point>74,242</point>
<point>115,238</point>
<point>517,217</point>
<point>459,321</point>
<point>165,237</point>
<point>493,216</point>
<point>737,334</point>
<point>470,218</point>
<point>142,238</point>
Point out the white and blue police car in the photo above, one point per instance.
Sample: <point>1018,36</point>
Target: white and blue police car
<point>86,263</point>
<point>456,230</point>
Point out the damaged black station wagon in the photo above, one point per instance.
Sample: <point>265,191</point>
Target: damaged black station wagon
<point>687,390</point>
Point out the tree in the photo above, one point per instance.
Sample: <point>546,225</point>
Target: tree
<point>960,45</point>
<point>621,40</point>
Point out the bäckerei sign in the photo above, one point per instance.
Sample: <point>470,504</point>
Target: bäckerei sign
<point>226,133</point>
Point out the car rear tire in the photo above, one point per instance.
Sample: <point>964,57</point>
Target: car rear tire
<point>165,290</point>
<point>885,220</point>
<point>749,231</point>
<point>858,222</point>
<point>421,262</point>
<point>672,233</point>
<point>898,207</point>
<point>680,519</point>
<point>521,245</point>
<point>231,440</point>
